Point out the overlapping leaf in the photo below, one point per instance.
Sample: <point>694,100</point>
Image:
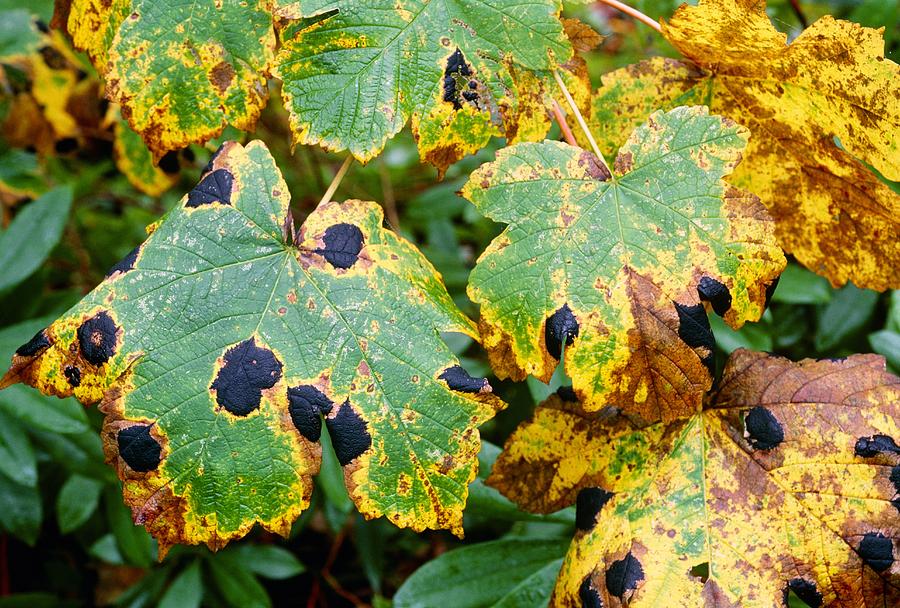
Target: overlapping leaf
<point>788,480</point>
<point>353,79</point>
<point>831,83</point>
<point>182,71</point>
<point>217,345</point>
<point>618,269</point>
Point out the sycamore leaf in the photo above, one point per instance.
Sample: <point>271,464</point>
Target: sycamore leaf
<point>353,80</point>
<point>217,345</point>
<point>181,71</point>
<point>788,480</point>
<point>135,162</point>
<point>831,83</point>
<point>618,269</point>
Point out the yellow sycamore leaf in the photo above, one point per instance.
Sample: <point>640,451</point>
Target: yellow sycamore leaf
<point>831,84</point>
<point>617,271</point>
<point>788,480</point>
<point>135,162</point>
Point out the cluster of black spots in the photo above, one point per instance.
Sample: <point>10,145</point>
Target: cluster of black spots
<point>73,375</point>
<point>349,434</point>
<point>306,403</point>
<point>716,293</point>
<point>248,369</point>
<point>588,505</point>
<point>694,330</point>
<point>38,342</point>
<point>877,551</point>
<point>763,429</point>
<point>561,327</point>
<point>567,394</point>
<point>458,379</point>
<point>457,68</point>
<point>868,447</point>
<point>624,575</point>
<point>805,590</point>
<point>126,263</point>
<point>214,188</point>
<point>590,597</point>
<point>137,447</point>
<point>97,338</point>
<point>343,242</point>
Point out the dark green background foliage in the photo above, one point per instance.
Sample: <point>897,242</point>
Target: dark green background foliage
<point>66,537</point>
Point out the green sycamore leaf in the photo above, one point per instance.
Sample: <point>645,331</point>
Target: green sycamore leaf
<point>218,344</point>
<point>353,79</point>
<point>617,270</point>
<point>788,480</point>
<point>182,71</point>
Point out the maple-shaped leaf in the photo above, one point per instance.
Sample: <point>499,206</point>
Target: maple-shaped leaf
<point>788,480</point>
<point>354,78</point>
<point>617,270</point>
<point>135,161</point>
<point>217,346</point>
<point>181,71</point>
<point>816,108</point>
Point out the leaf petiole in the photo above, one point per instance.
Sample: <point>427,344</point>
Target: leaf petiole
<point>580,118</point>
<point>632,12</point>
<point>336,182</point>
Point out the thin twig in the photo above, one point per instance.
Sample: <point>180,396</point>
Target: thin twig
<point>632,12</point>
<point>580,119</point>
<point>336,182</point>
<point>795,4</point>
<point>563,125</point>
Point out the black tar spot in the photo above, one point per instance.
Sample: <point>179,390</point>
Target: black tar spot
<point>458,379</point>
<point>306,403</point>
<point>624,575</point>
<point>349,435</point>
<point>343,242</point>
<point>456,68</point>
<point>694,330</point>
<point>38,342</point>
<point>714,292</point>
<point>588,505</point>
<point>590,597</point>
<point>248,369</point>
<point>567,393</point>
<point>561,326</point>
<point>97,338</point>
<point>214,188</point>
<point>73,375</point>
<point>169,163</point>
<point>138,448</point>
<point>877,551</point>
<point>806,591</point>
<point>763,428</point>
<point>126,263</point>
<point>770,289</point>
<point>867,447</point>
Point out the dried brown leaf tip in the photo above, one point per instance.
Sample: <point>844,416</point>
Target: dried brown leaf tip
<point>788,481</point>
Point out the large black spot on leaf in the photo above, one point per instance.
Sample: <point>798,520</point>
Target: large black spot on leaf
<point>38,342</point>
<point>214,188</point>
<point>97,338</point>
<point>126,263</point>
<point>343,242</point>
<point>137,447</point>
<point>456,70</point>
<point>694,330</point>
<point>764,430</point>
<point>877,551</point>
<point>349,435</point>
<point>73,375</point>
<point>806,591</point>
<point>868,447</point>
<point>561,327</point>
<point>770,290</point>
<point>458,379</point>
<point>306,404</point>
<point>624,575</point>
<point>248,369</point>
<point>588,504</point>
<point>714,292</point>
<point>590,597</point>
